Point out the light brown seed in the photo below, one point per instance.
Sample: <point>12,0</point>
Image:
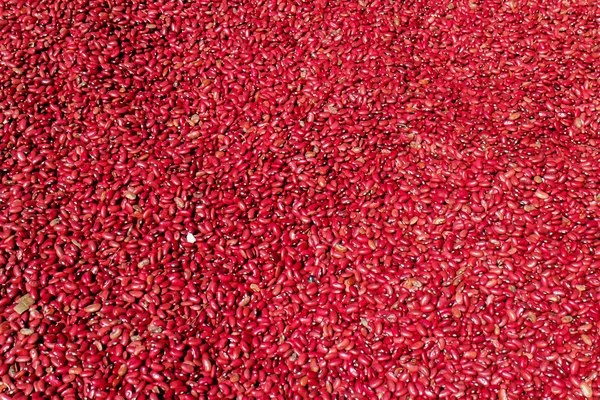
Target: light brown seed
<point>93,308</point>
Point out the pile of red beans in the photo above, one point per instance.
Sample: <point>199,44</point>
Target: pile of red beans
<point>356,199</point>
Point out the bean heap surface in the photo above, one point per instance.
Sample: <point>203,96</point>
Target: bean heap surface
<point>291,199</point>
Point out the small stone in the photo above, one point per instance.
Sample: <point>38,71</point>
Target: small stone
<point>154,329</point>
<point>190,238</point>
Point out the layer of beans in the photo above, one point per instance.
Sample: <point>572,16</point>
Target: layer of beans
<point>299,199</point>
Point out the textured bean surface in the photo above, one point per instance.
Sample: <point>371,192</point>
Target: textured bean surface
<point>287,199</point>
